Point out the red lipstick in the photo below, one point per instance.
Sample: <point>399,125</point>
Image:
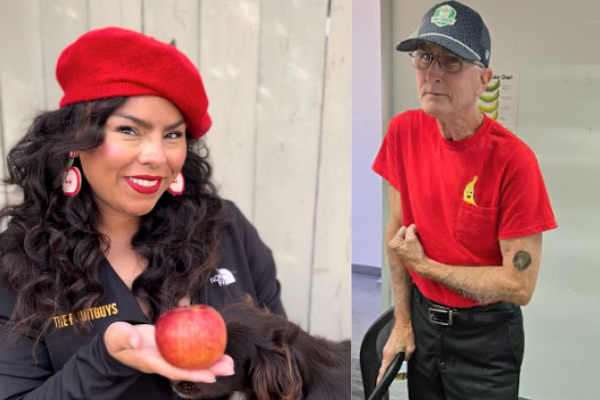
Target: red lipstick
<point>144,189</point>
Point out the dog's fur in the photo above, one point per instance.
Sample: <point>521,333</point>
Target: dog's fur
<point>275,359</point>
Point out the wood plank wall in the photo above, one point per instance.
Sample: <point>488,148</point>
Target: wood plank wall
<point>278,77</point>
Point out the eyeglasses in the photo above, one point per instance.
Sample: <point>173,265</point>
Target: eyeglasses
<point>421,59</point>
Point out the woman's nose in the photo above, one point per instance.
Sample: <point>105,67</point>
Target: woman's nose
<point>152,152</point>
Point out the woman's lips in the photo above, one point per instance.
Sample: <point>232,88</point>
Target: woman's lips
<point>144,184</point>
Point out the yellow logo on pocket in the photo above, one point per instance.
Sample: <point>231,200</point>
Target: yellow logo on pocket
<point>469,193</point>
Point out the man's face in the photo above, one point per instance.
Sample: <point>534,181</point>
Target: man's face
<point>444,94</point>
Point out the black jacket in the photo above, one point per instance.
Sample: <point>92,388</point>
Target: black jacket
<point>66,366</point>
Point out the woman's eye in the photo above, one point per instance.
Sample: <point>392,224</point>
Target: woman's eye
<point>127,130</point>
<point>174,135</point>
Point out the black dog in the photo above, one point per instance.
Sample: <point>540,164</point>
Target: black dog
<point>275,360</point>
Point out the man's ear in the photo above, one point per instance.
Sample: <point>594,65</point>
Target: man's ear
<point>485,77</point>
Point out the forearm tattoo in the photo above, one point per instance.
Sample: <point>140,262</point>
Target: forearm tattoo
<point>522,260</point>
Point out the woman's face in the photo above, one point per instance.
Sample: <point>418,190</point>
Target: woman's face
<point>144,150</point>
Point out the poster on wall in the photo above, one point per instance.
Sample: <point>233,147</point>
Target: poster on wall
<point>499,100</point>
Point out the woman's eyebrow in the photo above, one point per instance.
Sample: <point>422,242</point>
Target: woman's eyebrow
<point>148,125</point>
<point>140,122</point>
<point>175,125</point>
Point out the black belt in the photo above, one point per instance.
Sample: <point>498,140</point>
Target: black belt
<point>482,315</point>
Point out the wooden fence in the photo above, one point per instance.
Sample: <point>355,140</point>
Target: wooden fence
<point>278,77</point>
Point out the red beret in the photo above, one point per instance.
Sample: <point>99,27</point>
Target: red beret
<point>112,62</point>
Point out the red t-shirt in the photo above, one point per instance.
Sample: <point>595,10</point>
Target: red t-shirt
<point>463,196</point>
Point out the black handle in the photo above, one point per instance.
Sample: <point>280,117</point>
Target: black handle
<point>383,386</point>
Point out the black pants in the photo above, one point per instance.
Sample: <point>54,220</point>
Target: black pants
<point>466,360</point>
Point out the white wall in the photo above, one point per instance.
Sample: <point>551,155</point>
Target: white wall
<point>550,44</point>
<point>366,132</point>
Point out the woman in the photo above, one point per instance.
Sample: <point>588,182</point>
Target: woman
<point>119,223</point>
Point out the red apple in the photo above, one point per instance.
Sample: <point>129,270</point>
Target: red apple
<point>191,337</point>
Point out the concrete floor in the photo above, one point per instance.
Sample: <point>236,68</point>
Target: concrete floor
<point>366,307</point>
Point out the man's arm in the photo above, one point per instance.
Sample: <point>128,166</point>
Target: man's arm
<point>513,281</point>
<point>399,276</point>
<point>402,337</point>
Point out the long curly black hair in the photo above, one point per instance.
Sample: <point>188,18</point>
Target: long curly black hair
<point>51,251</point>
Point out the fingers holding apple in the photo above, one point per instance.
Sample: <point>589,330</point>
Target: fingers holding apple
<point>223,367</point>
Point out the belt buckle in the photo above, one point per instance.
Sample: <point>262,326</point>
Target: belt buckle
<point>440,316</point>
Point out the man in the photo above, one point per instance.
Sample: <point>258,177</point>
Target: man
<point>468,207</point>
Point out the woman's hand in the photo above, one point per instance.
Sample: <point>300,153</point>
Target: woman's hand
<point>134,345</point>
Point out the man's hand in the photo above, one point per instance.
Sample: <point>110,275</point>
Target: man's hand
<point>406,244</point>
<point>402,339</point>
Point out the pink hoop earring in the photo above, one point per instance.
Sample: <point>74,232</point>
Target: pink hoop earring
<point>71,183</point>
<point>176,188</point>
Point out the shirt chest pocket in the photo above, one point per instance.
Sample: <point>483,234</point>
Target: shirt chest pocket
<point>476,228</point>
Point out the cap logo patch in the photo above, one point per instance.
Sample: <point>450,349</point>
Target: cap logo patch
<point>444,16</point>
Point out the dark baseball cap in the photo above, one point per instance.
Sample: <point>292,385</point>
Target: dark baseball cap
<point>455,27</point>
